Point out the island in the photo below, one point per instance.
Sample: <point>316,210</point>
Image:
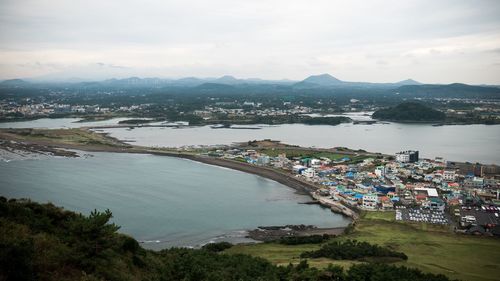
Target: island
<point>409,112</point>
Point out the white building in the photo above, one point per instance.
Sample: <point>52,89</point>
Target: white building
<point>298,168</point>
<point>370,201</point>
<point>263,160</point>
<point>430,192</point>
<point>449,175</point>
<point>476,182</point>
<point>410,156</point>
<point>380,171</point>
<point>315,163</point>
<point>309,173</point>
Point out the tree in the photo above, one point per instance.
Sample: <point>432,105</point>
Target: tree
<point>93,235</point>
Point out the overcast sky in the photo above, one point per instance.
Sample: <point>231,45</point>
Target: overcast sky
<point>376,41</point>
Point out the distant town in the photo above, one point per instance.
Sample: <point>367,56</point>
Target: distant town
<point>234,101</point>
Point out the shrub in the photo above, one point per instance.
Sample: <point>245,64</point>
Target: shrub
<point>351,250</point>
<point>217,247</point>
<point>297,240</point>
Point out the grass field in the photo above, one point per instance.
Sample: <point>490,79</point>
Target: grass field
<point>61,136</point>
<point>429,248</point>
<point>285,254</point>
<point>311,153</point>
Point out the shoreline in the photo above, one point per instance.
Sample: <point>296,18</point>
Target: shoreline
<point>284,178</point>
<point>88,119</point>
<point>264,235</point>
<point>281,177</point>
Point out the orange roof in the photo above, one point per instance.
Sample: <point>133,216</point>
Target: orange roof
<point>384,198</point>
<point>421,197</point>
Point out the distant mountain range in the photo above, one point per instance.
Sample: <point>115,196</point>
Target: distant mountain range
<point>326,80</point>
<point>314,81</point>
<point>227,83</point>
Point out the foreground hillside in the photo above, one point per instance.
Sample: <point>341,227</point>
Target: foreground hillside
<point>45,242</point>
<point>429,248</point>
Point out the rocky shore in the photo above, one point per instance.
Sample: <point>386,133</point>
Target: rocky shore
<point>13,150</point>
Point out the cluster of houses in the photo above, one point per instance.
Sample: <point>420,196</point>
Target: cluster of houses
<point>386,183</point>
<point>248,108</point>
<point>32,108</point>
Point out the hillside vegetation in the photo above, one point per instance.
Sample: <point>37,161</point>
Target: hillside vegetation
<point>45,242</point>
<point>411,112</point>
<point>75,137</point>
<point>456,90</point>
<point>429,248</point>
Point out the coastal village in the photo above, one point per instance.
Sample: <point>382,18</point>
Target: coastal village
<point>431,196</point>
<point>463,196</point>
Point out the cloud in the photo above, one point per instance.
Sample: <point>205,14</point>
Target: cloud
<point>497,51</point>
<point>105,65</point>
<point>382,62</point>
<point>268,39</point>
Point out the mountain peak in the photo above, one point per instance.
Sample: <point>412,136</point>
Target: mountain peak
<point>322,79</point>
<point>408,81</point>
<point>14,82</point>
<point>227,79</point>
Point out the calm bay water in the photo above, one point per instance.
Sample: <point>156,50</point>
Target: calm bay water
<point>177,202</point>
<point>474,143</point>
<point>59,123</point>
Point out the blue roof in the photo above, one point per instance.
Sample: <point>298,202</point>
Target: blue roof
<point>385,189</point>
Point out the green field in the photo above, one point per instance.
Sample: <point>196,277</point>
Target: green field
<point>430,248</point>
<point>60,136</point>
<point>290,153</point>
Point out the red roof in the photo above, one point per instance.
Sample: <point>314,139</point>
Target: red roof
<point>384,198</point>
<point>421,197</point>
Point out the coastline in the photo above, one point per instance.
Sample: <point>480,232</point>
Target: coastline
<point>117,146</point>
<point>333,224</point>
<point>284,178</point>
<point>372,228</point>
